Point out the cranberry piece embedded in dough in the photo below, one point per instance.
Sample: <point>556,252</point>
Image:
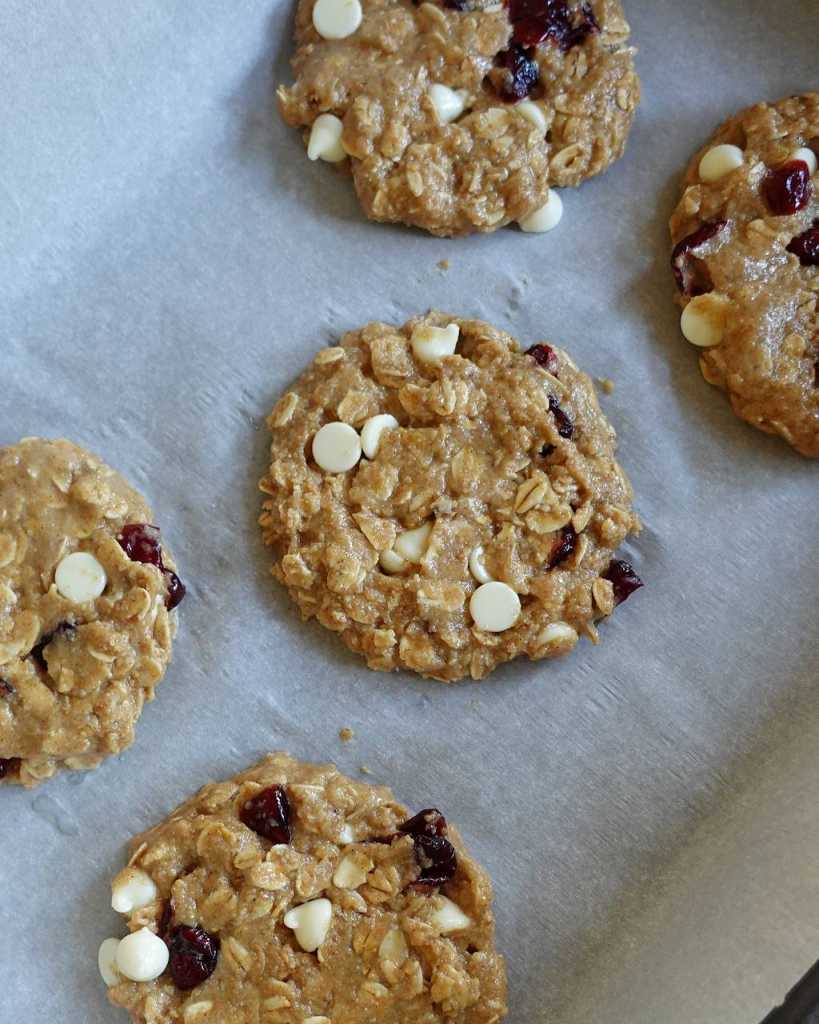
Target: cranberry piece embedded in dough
<point>564,547</point>
<point>268,814</point>
<point>8,766</point>
<point>140,542</point>
<point>166,920</point>
<point>536,21</point>
<point>623,578</point>
<point>176,590</point>
<point>193,955</point>
<point>6,689</point>
<point>429,822</point>
<point>565,427</point>
<point>680,262</point>
<point>36,652</point>
<point>435,854</point>
<point>437,859</point>
<point>544,355</point>
<point>521,74</point>
<point>806,246</point>
<point>787,190</point>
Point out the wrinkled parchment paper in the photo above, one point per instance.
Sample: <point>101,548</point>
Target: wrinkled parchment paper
<point>169,261</point>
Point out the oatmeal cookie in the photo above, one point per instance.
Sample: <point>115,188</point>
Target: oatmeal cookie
<point>746,249</point>
<point>480,523</point>
<point>294,895</point>
<point>86,610</point>
<point>457,115</point>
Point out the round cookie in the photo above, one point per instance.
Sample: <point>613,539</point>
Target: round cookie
<point>457,115</point>
<point>475,516</point>
<point>746,249</point>
<point>294,895</point>
<point>86,619</point>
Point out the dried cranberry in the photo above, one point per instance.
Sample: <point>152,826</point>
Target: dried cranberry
<point>623,578</point>
<point>429,822</point>
<point>680,258</point>
<point>535,21</point>
<point>788,189</point>
<point>806,246</point>
<point>8,766</point>
<point>166,920</point>
<point>36,653</point>
<point>268,814</point>
<point>565,427</point>
<point>544,355</point>
<point>521,73</point>
<point>193,955</point>
<point>546,451</point>
<point>455,5</point>
<point>6,689</point>
<point>140,542</point>
<point>176,590</point>
<point>582,29</point>
<point>437,859</point>
<point>564,547</point>
<point>435,854</point>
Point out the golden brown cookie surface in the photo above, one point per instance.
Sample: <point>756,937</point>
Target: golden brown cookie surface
<point>292,894</point>
<point>444,501</point>
<point>746,237</point>
<point>85,630</point>
<point>457,117</point>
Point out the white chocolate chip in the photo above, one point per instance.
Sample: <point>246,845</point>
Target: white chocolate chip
<point>347,835</point>
<point>546,217</point>
<point>132,890</point>
<point>336,19</point>
<point>80,577</point>
<point>107,960</point>
<point>494,607</point>
<point>142,956</point>
<point>348,874</point>
<point>372,430</point>
<point>337,447</point>
<point>325,139</point>
<point>449,103</point>
<point>411,545</point>
<point>392,562</point>
<point>557,634</point>
<point>431,344</point>
<point>449,917</point>
<point>704,319</point>
<point>476,565</point>
<point>533,113</point>
<point>719,161</point>
<point>808,156</point>
<point>393,947</point>
<point>310,922</point>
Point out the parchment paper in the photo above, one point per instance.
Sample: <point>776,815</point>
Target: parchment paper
<point>169,261</point>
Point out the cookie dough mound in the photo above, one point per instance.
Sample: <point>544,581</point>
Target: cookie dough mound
<point>746,251</point>
<point>457,115</point>
<point>85,630</point>
<point>294,895</point>
<point>480,523</point>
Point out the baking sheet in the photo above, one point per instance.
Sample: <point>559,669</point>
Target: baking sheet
<point>169,261</point>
